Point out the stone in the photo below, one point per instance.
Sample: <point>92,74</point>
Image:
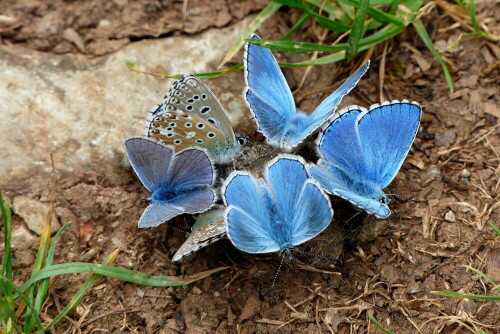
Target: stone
<point>21,236</point>
<point>83,109</point>
<point>33,213</point>
<point>449,217</point>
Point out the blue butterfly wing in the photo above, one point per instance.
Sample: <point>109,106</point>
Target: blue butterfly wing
<point>246,215</point>
<point>305,207</point>
<point>190,168</point>
<point>158,213</point>
<point>386,134</point>
<point>267,93</point>
<point>150,161</point>
<point>312,215</point>
<point>338,143</point>
<point>287,174</point>
<point>328,106</point>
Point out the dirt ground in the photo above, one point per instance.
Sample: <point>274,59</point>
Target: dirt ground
<point>386,267</point>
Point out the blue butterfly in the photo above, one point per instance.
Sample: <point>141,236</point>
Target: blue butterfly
<point>179,182</point>
<point>276,213</point>
<point>272,104</point>
<point>362,150</point>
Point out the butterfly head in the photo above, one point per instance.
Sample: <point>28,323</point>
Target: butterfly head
<point>242,139</point>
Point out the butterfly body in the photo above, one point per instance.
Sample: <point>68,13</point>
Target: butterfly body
<point>179,182</point>
<point>271,102</point>
<point>276,213</point>
<point>362,150</point>
<point>190,115</point>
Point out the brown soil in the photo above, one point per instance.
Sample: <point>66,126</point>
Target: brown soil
<point>386,267</point>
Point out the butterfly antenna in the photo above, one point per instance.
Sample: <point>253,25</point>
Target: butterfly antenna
<point>353,216</point>
<point>404,198</point>
<point>270,293</point>
<point>186,233</point>
<point>315,255</point>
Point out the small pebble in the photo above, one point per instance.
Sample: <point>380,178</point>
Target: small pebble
<point>449,217</point>
<point>465,173</point>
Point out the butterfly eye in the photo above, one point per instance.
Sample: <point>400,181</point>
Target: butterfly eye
<point>200,125</point>
<point>188,125</point>
<point>204,110</point>
<point>204,96</point>
<point>211,135</point>
<point>242,141</point>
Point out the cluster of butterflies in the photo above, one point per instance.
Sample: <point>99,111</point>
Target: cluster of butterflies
<point>360,153</point>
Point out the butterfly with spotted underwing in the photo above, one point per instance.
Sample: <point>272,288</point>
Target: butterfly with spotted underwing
<point>190,115</point>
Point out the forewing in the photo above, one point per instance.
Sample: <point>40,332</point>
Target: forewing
<point>386,134</point>
<point>328,106</point>
<point>247,219</point>
<point>190,168</point>
<point>286,175</point>
<point>267,93</point>
<point>339,142</point>
<point>312,215</point>
<point>150,161</point>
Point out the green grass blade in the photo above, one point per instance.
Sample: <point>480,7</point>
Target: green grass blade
<point>344,14</point>
<point>110,271</point>
<point>269,10</point>
<point>326,22</point>
<point>44,284</point>
<point>481,331</point>
<point>131,66</point>
<point>496,229</point>
<point>483,275</point>
<point>465,295</point>
<point>6,289</point>
<point>11,314</point>
<point>419,27</point>
<point>375,321</point>
<point>473,19</point>
<point>296,47</point>
<point>377,14</point>
<point>78,297</point>
<point>295,27</point>
<point>357,29</point>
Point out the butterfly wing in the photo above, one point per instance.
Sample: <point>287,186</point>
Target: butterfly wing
<point>246,214</point>
<point>191,168</point>
<point>267,93</point>
<point>305,206</point>
<point>150,160</point>
<point>386,133</point>
<point>328,106</point>
<point>339,143</point>
<point>158,213</point>
<point>191,115</point>
<point>208,228</point>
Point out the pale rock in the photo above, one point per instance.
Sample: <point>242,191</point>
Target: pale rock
<point>21,236</point>
<point>449,217</point>
<point>82,109</point>
<point>33,213</point>
<point>465,173</point>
